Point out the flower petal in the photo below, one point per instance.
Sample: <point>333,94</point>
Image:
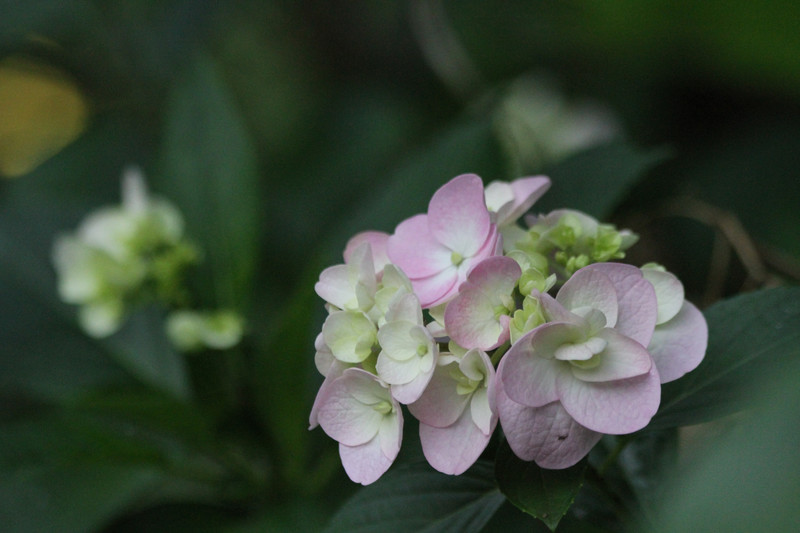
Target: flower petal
<point>441,404</point>
<point>590,289</point>
<point>453,449</point>
<point>529,371</point>
<point>377,241</point>
<point>669,293</point>
<point>365,463</point>
<point>458,217</point>
<point>680,344</point>
<point>436,289</point>
<point>637,300</point>
<point>414,249</point>
<point>546,434</point>
<point>613,407</point>
<point>346,410</point>
<point>622,358</point>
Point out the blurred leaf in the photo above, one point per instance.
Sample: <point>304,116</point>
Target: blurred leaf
<point>74,468</point>
<point>748,336</point>
<point>414,497</point>
<point>468,146</point>
<point>69,498</point>
<point>279,378</point>
<point>210,171</point>
<point>746,480</point>
<point>542,493</point>
<point>42,111</point>
<point>141,346</point>
<point>596,180</point>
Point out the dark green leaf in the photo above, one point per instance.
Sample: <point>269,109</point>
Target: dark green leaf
<point>467,147</point>
<point>414,497</point>
<point>748,336</point>
<point>596,181</point>
<point>141,347</point>
<point>69,498</point>
<point>745,479</point>
<point>542,493</point>
<point>210,171</point>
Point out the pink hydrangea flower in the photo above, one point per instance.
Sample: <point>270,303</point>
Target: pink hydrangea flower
<point>585,369</point>
<point>457,412</point>
<point>478,317</point>
<point>437,250</point>
<point>358,411</point>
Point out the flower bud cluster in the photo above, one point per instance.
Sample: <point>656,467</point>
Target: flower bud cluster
<point>469,319</point>
<point>127,255</point>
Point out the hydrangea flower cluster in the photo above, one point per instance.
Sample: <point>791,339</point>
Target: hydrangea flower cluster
<point>468,319</point>
<point>126,255</point>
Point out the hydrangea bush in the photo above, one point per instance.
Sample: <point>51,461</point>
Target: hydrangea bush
<point>476,321</point>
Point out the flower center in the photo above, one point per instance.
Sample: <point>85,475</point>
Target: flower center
<point>456,258</point>
<point>383,407</point>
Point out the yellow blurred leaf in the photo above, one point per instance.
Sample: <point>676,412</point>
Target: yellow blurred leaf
<point>41,111</point>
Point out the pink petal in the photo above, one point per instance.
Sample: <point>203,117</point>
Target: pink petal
<point>529,372</point>
<point>458,217</point>
<point>495,276</point>
<point>436,289</point>
<point>334,371</point>
<point>680,344</point>
<point>410,392</point>
<point>588,288</point>
<point>613,407</point>
<point>453,449</point>
<point>365,463</point>
<point>344,411</point>
<point>547,434</point>
<point>526,192</point>
<point>622,358</point>
<point>414,249</point>
<point>470,320</point>
<point>377,241</point>
<point>440,405</point>
<point>637,300</point>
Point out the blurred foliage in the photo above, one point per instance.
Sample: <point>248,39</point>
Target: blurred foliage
<point>279,129</point>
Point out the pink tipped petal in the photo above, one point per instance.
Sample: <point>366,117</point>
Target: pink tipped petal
<point>555,312</point>
<point>334,371</point>
<point>590,289</point>
<point>526,192</point>
<point>334,286</point>
<point>440,405</point>
<point>529,370</point>
<point>669,292</point>
<point>346,413</point>
<point>405,308</point>
<point>377,241</point>
<point>458,217</point>
<point>365,463</point>
<point>622,358</point>
<point>495,276</point>
<point>436,289</point>
<point>414,249</point>
<point>410,392</point>
<point>613,407</point>
<point>546,435</point>
<point>679,345</point>
<point>452,450</point>
<point>637,300</point>
<point>470,320</point>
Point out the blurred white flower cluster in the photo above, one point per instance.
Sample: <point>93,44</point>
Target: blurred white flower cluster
<point>135,253</point>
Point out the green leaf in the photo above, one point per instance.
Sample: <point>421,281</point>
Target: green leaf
<point>69,498</point>
<point>748,336</point>
<point>210,171</point>
<point>542,493</point>
<point>414,497</point>
<point>746,478</point>
<point>597,180</point>
<point>141,347</point>
<point>468,146</point>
